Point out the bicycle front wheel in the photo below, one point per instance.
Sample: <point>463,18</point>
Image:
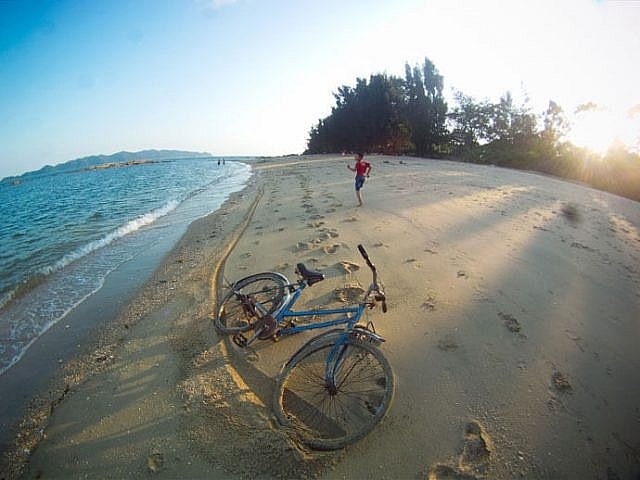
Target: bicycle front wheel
<point>328,417</point>
<point>249,299</point>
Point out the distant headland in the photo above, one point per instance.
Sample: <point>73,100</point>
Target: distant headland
<point>120,159</point>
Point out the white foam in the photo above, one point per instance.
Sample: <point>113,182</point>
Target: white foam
<point>129,227</point>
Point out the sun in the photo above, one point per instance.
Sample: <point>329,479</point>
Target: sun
<point>598,128</point>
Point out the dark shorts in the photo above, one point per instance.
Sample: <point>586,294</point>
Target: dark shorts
<point>359,182</point>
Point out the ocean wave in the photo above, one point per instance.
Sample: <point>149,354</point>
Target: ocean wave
<point>70,262</point>
<point>28,322</point>
<point>127,228</point>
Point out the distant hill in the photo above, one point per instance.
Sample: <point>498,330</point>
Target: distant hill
<point>122,157</point>
<point>116,158</point>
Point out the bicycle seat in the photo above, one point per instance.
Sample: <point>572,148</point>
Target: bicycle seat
<point>309,276</point>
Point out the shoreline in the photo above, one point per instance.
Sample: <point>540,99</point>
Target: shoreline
<point>112,318</point>
<point>511,329</point>
<point>67,336</point>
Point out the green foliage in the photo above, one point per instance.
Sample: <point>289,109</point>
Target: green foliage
<point>365,118</point>
<point>387,115</point>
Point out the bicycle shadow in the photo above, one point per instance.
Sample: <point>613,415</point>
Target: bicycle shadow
<point>259,365</point>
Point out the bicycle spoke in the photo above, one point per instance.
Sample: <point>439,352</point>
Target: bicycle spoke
<point>250,299</point>
<point>333,416</point>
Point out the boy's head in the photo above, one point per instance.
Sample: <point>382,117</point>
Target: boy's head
<point>358,157</point>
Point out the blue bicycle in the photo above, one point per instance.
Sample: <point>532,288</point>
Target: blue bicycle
<point>338,385</point>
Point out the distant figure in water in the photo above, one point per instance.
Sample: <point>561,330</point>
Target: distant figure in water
<point>362,170</point>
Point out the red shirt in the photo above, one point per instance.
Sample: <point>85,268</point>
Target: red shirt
<point>361,168</point>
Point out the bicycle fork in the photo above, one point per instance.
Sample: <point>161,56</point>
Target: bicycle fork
<point>334,361</point>
<point>337,354</point>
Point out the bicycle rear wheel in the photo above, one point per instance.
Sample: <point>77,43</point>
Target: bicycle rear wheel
<point>327,418</point>
<point>237,313</point>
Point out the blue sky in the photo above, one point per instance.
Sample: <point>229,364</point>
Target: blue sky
<point>250,77</point>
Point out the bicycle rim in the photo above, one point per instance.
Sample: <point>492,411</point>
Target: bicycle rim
<point>326,420</point>
<point>266,290</point>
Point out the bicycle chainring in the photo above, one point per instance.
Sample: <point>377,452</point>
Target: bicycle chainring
<point>266,326</point>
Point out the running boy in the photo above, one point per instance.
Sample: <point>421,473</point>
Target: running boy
<point>362,170</point>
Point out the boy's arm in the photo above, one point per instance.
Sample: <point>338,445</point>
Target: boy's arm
<point>351,168</point>
<point>368,169</point>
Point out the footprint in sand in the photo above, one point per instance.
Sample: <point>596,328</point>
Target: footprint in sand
<point>448,343</point>
<point>429,304</point>
<point>414,262</point>
<point>510,322</point>
<point>476,452</point>
<point>445,472</point>
<point>301,247</point>
<point>282,267</point>
<point>473,462</point>
<point>155,462</point>
<point>349,267</point>
<point>349,293</point>
<point>561,383</point>
<point>328,250</point>
<point>326,235</point>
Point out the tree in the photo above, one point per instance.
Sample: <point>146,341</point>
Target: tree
<point>426,109</point>
<point>556,125</point>
<point>365,118</point>
<point>470,122</point>
<point>511,123</point>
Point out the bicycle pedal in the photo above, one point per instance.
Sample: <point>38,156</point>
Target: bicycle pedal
<point>240,340</point>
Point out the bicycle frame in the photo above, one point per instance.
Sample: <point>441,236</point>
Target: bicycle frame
<point>337,386</point>
<point>286,312</point>
<point>350,316</point>
<point>334,359</point>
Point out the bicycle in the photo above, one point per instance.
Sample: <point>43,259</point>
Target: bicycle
<point>338,385</point>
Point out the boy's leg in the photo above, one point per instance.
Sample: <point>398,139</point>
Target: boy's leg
<point>359,184</point>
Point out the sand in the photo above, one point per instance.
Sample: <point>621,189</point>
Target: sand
<point>513,323</point>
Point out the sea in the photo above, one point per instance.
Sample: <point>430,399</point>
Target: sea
<point>63,232</point>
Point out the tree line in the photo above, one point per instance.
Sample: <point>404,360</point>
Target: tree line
<point>410,116</point>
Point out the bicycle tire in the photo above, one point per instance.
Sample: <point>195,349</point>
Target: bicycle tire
<point>268,289</point>
<point>325,421</point>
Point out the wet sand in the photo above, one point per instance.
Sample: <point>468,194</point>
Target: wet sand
<point>514,307</point>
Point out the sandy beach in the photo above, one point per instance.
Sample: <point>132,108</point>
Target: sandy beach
<point>512,328</point>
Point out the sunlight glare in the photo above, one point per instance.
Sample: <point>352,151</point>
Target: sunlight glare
<point>598,129</point>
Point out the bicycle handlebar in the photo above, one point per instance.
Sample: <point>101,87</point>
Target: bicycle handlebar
<point>374,285</point>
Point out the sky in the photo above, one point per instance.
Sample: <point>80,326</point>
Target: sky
<point>251,77</point>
